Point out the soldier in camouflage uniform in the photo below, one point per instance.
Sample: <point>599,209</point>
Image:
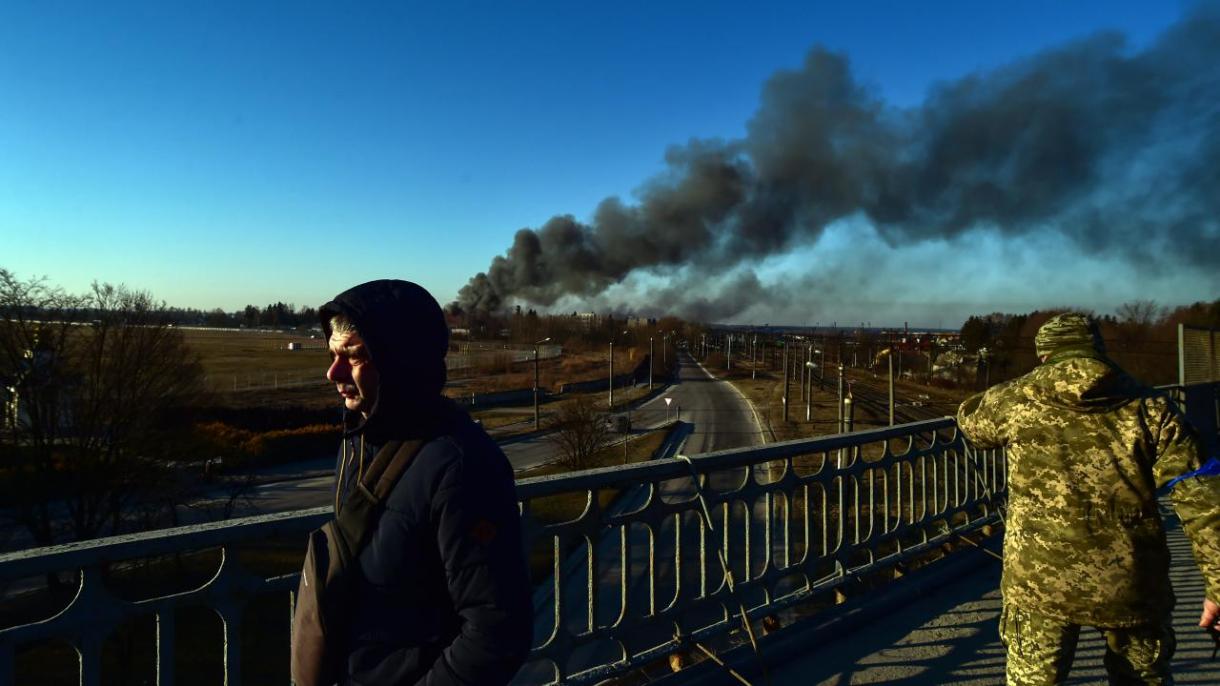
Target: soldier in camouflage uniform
<point>1087,448</point>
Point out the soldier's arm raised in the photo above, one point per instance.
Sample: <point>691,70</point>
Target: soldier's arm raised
<point>979,417</point>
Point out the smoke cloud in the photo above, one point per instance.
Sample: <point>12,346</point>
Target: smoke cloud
<point>1116,151</point>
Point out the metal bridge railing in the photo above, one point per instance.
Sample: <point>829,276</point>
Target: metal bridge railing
<point>627,568</point>
<point>637,579</point>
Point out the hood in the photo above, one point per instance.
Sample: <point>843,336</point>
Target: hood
<point>1083,381</point>
<point>406,337</point>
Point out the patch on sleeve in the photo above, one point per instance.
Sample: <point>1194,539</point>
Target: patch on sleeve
<point>483,532</point>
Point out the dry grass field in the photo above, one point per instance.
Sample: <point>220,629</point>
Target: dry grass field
<point>238,360</point>
<point>256,368</point>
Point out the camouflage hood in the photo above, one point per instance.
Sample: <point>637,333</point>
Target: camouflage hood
<point>1083,382</point>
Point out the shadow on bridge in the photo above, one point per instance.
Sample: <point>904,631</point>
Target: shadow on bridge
<point>918,636</point>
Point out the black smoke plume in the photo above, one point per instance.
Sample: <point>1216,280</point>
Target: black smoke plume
<point>1117,150</point>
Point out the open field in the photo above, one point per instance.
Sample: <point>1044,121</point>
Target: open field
<point>237,360</point>
<point>259,361</point>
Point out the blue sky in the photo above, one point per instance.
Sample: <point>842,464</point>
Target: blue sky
<point>224,153</point>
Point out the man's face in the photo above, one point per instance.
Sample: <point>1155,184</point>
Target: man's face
<point>352,372</point>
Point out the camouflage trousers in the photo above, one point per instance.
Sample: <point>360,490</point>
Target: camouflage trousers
<point>1041,650</point>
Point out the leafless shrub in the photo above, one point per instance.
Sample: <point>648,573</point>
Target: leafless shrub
<point>579,430</point>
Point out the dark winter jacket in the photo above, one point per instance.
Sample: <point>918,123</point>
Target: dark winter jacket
<point>444,595</point>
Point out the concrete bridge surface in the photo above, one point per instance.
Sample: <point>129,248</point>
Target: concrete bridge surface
<point>947,637</point>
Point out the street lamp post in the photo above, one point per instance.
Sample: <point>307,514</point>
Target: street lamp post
<point>787,376</point>
<point>536,415</point>
<point>809,395</point>
<point>611,405</point>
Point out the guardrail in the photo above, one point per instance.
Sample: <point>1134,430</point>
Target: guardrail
<point>640,579</point>
<point>633,568</point>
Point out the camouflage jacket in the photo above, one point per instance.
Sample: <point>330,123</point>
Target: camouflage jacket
<point>1087,448</point>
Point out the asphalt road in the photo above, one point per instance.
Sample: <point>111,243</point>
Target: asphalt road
<point>720,415</point>
<point>665,563</point>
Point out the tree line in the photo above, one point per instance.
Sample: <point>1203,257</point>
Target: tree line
<point>1141,336</point>
<point>275,315</point>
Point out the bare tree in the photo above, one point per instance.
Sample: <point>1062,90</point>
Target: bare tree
<point>1141,313</point>
<point>90,381</point>
<point>579,430</point>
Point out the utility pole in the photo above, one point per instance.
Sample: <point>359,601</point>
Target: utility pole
<point>931,355</point>
<point>611,405</point>
<point>753,358</point>
<point>804,371</point>
<point>822,366</point>
<point>728,359</point>
<point>890,359</point>
<point>787,376</point>
<point>849,411</point>
<point>536,415</point>
<point>809,382</point>
<point>840,396</point>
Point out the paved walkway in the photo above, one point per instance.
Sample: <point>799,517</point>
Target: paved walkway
<point>949,639</point>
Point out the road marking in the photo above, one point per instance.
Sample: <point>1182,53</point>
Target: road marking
<point>762,435</point>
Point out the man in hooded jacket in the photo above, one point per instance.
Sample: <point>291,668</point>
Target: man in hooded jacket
<point>1087,448</point>
<point>442,594</point>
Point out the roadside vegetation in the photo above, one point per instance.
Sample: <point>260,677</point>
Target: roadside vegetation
<point>95,386</point>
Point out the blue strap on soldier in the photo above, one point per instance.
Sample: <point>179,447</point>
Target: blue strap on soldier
<point>1209,468</point>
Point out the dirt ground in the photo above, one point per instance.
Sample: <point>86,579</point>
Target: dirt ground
<point>766,390</point>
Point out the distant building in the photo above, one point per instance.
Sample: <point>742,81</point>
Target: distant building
<point>589,319</point>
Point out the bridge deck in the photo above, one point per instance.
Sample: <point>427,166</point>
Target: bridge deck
<point>949,638</point>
